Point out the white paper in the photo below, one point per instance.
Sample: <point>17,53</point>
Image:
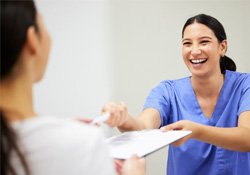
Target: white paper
<point>141,143</point>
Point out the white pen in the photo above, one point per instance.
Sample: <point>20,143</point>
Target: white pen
<point>101,118</point>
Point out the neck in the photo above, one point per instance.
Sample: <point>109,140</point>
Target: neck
<point>16,99</point>
<point>208,87</point>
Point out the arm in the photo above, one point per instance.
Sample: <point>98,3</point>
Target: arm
<point>119,117</point>
<point>235,138</point>
<point>148,119</point>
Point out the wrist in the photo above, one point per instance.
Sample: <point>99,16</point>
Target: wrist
<point>199,131</point>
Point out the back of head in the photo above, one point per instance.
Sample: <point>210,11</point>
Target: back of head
<point>226,63</point>
<point>16,18</point>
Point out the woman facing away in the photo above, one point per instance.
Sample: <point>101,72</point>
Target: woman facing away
<point>34,144</point>
<point>214,103</point>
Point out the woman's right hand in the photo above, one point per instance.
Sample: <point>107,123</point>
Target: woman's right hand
<point>118,113</point>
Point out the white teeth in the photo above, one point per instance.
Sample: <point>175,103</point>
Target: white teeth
<point>198,61</point>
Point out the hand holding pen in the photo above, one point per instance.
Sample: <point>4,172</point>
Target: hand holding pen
<point>118,113</point>
<point>100,119</point>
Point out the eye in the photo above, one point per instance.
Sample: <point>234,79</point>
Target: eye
<point>186,43</point>
<point>204,42</point>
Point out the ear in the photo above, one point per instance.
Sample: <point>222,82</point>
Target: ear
<point>32,41</point>
<point>223,47</point>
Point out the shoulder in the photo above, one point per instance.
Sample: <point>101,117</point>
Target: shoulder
<point>238,74</point>
<point>67,143</point>
<point>172,83</point>
<point>238,78</point>
<point>168,88</point>
<point>52,125</point>
<point>55,137</point>
<point>54,130</point>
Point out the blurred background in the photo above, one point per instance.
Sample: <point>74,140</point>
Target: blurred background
<point>118,50</point>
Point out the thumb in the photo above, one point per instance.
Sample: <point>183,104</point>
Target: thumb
<point>173,126</point>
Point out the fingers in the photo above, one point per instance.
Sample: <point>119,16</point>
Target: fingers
<point>181,125</point>
<point>119,165</point>
<point>87,121</point>
<point>84,120</point>
<point>174,126</point>
<point>134,166</point>
<point>118,113</point>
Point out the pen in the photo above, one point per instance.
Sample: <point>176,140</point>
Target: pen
<point>101,118</point>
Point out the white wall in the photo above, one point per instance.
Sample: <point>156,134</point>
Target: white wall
<point>77,81</point>
<point>146,37</point>
<point>120,49</point>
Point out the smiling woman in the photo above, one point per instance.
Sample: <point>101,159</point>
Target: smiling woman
<point>213,103</point>
<point>205,40</point>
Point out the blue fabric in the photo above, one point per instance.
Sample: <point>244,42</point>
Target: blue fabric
<point>175,100</point>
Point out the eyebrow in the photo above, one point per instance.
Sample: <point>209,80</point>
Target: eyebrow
<point>203,37</point>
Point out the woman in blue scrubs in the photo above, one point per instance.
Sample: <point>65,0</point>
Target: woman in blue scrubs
<point>214,103</point>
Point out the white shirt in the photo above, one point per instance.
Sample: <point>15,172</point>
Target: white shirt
<point>55,146</point>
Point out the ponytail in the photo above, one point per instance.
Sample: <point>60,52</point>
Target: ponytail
<point>8,146</point>
<point>227,63</point>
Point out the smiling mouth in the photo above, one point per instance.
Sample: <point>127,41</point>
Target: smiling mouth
<point>198,61</point>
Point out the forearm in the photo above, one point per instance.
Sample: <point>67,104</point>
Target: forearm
<point>236,138</point>
<point>148,119</point>
<point>132,124</point>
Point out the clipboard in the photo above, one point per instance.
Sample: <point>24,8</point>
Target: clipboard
<point>142,143</point>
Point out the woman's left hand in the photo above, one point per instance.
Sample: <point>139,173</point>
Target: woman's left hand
<point>183,125</point>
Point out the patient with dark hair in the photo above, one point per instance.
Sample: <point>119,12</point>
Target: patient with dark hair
<point>32,143</point>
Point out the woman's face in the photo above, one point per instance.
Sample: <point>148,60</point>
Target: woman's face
<point>201,50</point>
<point>44,47</point>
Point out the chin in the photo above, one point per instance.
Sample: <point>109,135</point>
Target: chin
<point>199,73</point>
<point>38,79</point>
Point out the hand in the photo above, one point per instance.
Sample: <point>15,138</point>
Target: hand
<point>118,113</point>
<point>183,125</point>
<point>118,165</point>
<point>86,121</point>
<point>134,166</point>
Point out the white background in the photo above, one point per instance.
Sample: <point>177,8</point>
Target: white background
<point>118,50</point>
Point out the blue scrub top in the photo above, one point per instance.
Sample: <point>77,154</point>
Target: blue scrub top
<point>175,100</point>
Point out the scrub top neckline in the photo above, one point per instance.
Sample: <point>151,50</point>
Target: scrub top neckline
<point>214,117</point>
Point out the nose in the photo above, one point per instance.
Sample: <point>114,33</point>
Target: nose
<point>195,50</point>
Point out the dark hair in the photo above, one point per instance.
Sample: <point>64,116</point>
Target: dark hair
<point>226,63</point>
<point>16,18</point>
<point>8,145</point>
